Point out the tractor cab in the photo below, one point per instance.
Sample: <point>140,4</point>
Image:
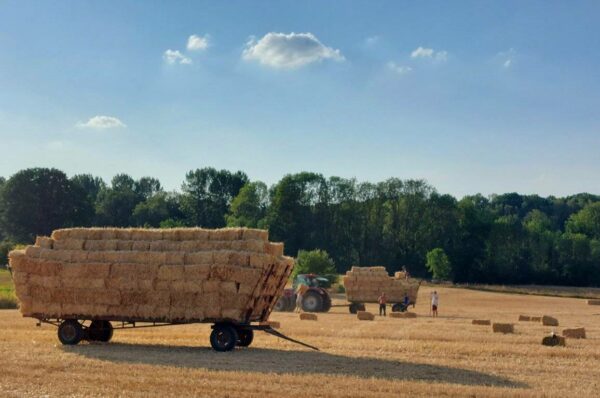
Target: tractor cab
<point>311,280</point>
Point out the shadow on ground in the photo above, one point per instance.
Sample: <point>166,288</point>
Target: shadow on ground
<point>290,362</point>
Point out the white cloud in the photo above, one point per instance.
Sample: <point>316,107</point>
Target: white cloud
<point>399,69</point>
<point>372,40</point>
<point>102,123</point>
<point>197,43</point>
<point>422,52</point>
<point>506,58</point>
<point>280,50</point>
<point>175,57</point>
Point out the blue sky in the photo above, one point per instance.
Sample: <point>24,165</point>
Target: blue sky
<point>478,96</point>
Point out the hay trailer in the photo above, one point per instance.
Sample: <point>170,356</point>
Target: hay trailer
<point>90,281</point>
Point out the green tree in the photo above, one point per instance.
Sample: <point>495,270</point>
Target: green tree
<point>249,207</point>
<point>586,221</point>
<point>86,189</point>
<point>207,195</point>
<point>35,202</point>
<point>156,209</point>
<point>438,264</point>
<point>314,262</point>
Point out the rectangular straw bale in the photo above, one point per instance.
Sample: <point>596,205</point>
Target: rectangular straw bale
<point>66,233</point>
<point>123,233</point>
<point>199,258</point>
<point>94,256</point>
<point>48,309</point>
<point>549,321</point>
<point>140,245</point>
<point>21,278</point>
<point>90,283</point>
<point>196,271</point>
<point>159,298</point>
<point>406,314</point>
<point>174,258</point>
<point>194,286</point>
<point>183,299</point>
<point>272,324</point>
<point>124,245</point>
<point>121,283</point>
<point>255,234</point>
<point>481,322</point>
<point>98,245</point>
<point>503,328</point>
<point>259,261</point>
<point>574,333</point>
<point>44,242</point>
<point>46,268</point>
<point>155,246</point>
<point>535,318</point>
<point>524,318</point>
<point>245,275</point>
<point>593,302</point>
<point>134,271</point>
<point>171,272</point>
<point>145,284</point>
<point>365,316</point>
<point>107,234</point>
<point>308,316</point>
<point>225,234</point>
<point>228,288</point>
<point>145,311</point>
<point>253,245</point>
<point>69,244</point>
<point>194,313</point>
<point>210,286</point>
<point>274,248</point>
<point>56,255</point>
<point>220,272</point>
<point>134,297</point>
<point>232,313</point>
<point>33,251</point>
<point>86,270</point>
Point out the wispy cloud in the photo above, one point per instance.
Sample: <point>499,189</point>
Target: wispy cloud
<point>372,40</point>
<point>102,123</point>
<point>280,50</point>
<point>399,69</point>
<point>172,57</point>
<point>430,53</point>
<point>507,58</point>
<point>197,43</point>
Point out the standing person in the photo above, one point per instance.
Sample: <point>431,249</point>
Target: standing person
<point>382,304</point>
<point>299,299</point>
<point>435,300</point>
<point>406,301</point>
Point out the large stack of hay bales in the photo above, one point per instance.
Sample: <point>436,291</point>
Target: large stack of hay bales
<point>170,275</point>
<point>365,285</point>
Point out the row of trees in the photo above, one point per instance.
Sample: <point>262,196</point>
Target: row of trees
<point>507,238</point>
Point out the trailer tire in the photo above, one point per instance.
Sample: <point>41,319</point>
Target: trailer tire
<point>355,307</point>
<point>100,331</point>
<point>70,332</point>
<point>282,304</point>
<point>223,337</point>
<point>245,337</point>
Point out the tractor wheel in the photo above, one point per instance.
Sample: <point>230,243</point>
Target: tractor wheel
<point>245,337</point>
<point>70,332</point>
<point>223,337</point>
<point>312,302</point>
<point>100,331</point>
<point>282,304</point>
<point>326,303</point>
<point>291,303</point>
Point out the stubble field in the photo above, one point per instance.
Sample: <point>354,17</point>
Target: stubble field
<point>387,357</point>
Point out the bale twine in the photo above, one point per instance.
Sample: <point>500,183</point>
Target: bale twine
<point>549,321</point>
<point>365,316</point>
<point>481,322</point>
<point>574,333</point>
<point>503,328</point>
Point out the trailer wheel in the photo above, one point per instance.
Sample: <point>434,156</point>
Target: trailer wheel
<point>70,332</point>
<point>355,307</point>
<point>245,337</point>
<point>282,304</point>
<point>312,302</point>
<point>223,337</point>
<point>100,331</point>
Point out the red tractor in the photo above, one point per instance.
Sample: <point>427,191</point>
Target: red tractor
<point>314,299</point>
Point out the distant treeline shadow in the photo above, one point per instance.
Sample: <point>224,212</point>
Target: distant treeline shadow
<point>286,362</point>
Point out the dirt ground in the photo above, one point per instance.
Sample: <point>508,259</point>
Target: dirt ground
<point>387,357</point>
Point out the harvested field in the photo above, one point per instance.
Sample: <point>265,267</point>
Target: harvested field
<point>421,357</point>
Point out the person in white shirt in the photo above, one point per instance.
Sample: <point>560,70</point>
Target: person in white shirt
<point>434,304</point>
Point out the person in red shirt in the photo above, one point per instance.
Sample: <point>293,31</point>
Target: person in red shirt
<point>382,304</point>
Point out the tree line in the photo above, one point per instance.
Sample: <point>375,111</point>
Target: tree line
<point>508,238</point>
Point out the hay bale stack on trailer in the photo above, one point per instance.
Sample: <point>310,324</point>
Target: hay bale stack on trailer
<point>229,276</point>
<point>365,285</point>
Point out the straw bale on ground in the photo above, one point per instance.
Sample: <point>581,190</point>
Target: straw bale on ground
<point>503,328</point>
<point>481,322</point>
<point>308,316</point>
<point>549,321</point>
<point>574,333</point>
